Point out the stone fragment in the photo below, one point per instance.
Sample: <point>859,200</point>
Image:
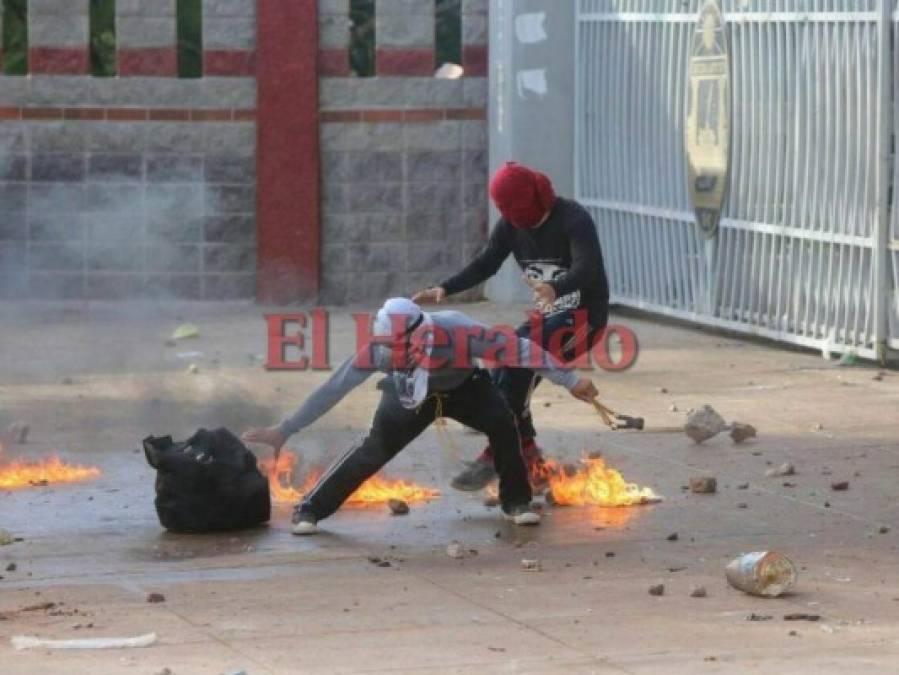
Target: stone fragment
<point>703,484</point>
<point>740,432</point>
<point>398,507</point>
<point>703,424</point>
<point>785,469</point>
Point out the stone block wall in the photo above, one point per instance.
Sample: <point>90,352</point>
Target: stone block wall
<point>141,185</point>
<point>404,154</point>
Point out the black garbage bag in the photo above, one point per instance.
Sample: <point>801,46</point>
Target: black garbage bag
<point>207,483</point>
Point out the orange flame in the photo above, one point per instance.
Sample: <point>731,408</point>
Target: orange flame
<point>592,483</point>
<point>375,490</point>
<point>22,473</point>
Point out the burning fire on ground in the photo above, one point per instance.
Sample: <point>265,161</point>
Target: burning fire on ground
<point>591,483</point>
<point>375,490</point>
<point>23,473</point>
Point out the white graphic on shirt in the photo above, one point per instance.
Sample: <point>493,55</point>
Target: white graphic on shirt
<point>545,271</point>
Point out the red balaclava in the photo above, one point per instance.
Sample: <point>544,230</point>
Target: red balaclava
<point>522,195</point>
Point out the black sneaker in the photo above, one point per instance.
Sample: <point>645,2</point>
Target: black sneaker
<point>522,514</point>
<point>476,476</point>
<point>304,522</point>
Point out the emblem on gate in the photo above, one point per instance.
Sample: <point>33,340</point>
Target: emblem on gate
<point>707,132</point>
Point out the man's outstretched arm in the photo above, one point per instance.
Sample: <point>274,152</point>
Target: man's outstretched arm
<point>346,378</point>
<point>484,266</point>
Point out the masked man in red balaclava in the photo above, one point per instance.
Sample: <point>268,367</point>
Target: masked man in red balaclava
<point>554,241</point>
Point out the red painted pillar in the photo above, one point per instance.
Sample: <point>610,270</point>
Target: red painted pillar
<point>287,158</point>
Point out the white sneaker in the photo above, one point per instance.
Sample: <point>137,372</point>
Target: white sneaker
<point>522,515</point>
<point>304,523</point>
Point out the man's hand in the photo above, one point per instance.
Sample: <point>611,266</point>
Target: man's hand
<point>584,390</point>
<point>544,294</point>
<point>269,436</point>
<point>429,296</point>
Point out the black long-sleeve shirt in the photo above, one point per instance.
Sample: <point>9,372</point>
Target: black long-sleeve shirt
<point>564,252</point>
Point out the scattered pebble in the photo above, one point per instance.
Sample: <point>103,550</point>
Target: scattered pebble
<point>759,617</point>
<point>657,589</point>
<point>802,616</point>
<point>155,598</point>
<point>883,529</point>
<point>742,505</point>
<point>743,486</point>
<point>698,592</point>
<point>672,407</point>
<point>531,565</point>
<point>703,484</point>
<point>740,432</point>
<point>785,469</point>
<point>672,536</point>
<point>663,390</point>
<point>455,550</point>
<point>11,567</point>
<point>398,507</point>
<point>840,486</point>
<point>164,671</point>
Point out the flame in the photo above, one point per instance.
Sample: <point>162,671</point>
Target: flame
<point>22,473</point>
<point>375,490</point>
<point>592,483</point>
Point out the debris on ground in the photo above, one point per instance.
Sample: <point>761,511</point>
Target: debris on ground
<point>164,671</point>
<point>802,616</point>
<point>380,562</point>
<point>185,331</point>
<point>742,505</point>
<point>840,486</point>
<point>703,424</point>
<point>20,642</point>
<point>155,598</point>
<point>883,529</point>
<point>703,484</point>
<point>740,432</point>
<point>785,469</point>
<point>530,565</point>
<point>455,550</point>
<point>657,589</point>
<point>698,592</point>
<point>6,537</point>
<point>765,573</point>
<point>743,486</point>
<point>398,507</point>
<point>672,407</point>
<point>193,369</point>
<point>759,617</point>
<point>672,537</point>
<point>849,358</point>
<point>11,567</point>
<point>17,432</point>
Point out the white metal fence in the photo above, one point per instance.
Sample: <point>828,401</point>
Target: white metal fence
<point>802,250</point>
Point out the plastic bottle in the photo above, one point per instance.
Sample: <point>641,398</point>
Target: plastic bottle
<point>765,573</point>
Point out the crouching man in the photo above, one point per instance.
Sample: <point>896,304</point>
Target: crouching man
<point>432,376</point>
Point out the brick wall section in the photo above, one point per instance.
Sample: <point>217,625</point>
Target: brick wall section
<point>474,37</point>
<point>229,37</point>
<point>333,37</point>
<point>107,195</point>
<point>404,173</point>
<point>404,36</point>
<point>146,34</point>
<point>58,36</point>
